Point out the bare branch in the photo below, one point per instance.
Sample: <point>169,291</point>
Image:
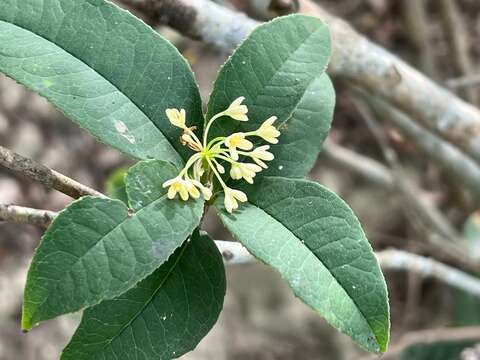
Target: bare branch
<point>383,74</point>
<point>361,165</point>
<point>429,268</point>
<point>44,175</point>
<point>24,215</point>
<point>411,192</point>
<point>449,157</point>
<point>416,19</point>
<point>354,58</point>
<point>458,41</point>
<point>464,81</point>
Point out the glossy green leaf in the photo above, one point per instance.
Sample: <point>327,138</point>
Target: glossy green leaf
<point>97,248</point>
<point>104,68</point>
<point>164,316</point>
<point>278,70</point>
<point>115,185</point>
<point>315,241</point>
<point>304,132</point>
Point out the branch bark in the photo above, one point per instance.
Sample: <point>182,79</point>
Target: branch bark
<point>447,156</point>
<point>354,58</point>
<point>362,165</point>
<point>408,189</point>
<point>416,19</point>
<point>458,41</point>
<point>24,215</point>
<point>44,175</point>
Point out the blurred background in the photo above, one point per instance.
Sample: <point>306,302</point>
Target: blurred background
<point>261,319</point>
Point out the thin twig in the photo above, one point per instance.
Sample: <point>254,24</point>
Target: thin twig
<point>371,67</point>
<point>354,58</point>
<point>44,175</point>
<point>410,191</point>
<point>362,165</point>
<point>429,268</point>
<point>24,215</point>
<point>458,41</point>
<point>464,81</point>
<point>447,156</point>
<point>416,19</point>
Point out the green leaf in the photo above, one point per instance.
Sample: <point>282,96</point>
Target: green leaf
<point>115,185</point>
<point>104,68</point>
<point>164,316</point>
<point>278,70</point>
<point>315,241</point>
<point>304,132</point>
<point>97,248</point>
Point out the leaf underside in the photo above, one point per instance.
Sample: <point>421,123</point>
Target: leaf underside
<point>104,68</point>
<point>315,241</point>
<point>162,317</point>
<point>97,249</point>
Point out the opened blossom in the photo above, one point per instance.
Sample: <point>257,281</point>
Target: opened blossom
<point>268,132</point>
<point>237,141</point>
<point>207,164</point>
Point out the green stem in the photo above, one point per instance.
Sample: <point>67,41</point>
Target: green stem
<point>216,140</point>
<point>189,163</point>
<point>227,159</point>
<point>249,154</point>
<point>207,129</point>
<point>217,174</point>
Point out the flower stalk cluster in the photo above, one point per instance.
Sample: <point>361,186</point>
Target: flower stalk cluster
<point>196,178</point>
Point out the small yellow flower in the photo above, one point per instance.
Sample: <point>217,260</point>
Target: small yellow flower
<point>192,189</point>
<point>245,171</point>
<point>268,132</point>
<point>236,110</point>
<point>176,185</point>
<point>235,141</point>
<point>261,153</point>
<point>231,197</point>
<point>206,192</point>
<point>176,117</point>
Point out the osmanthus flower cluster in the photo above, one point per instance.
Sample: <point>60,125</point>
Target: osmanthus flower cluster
<point>195,177</point>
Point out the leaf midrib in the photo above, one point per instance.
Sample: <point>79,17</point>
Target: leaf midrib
<point>292,54</point>
<point>148,302</point>
<point>170,141</point>
<point>127,218</point>
<point>333,275</point>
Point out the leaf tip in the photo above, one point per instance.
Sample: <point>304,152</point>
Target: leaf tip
<point>26,323</point>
